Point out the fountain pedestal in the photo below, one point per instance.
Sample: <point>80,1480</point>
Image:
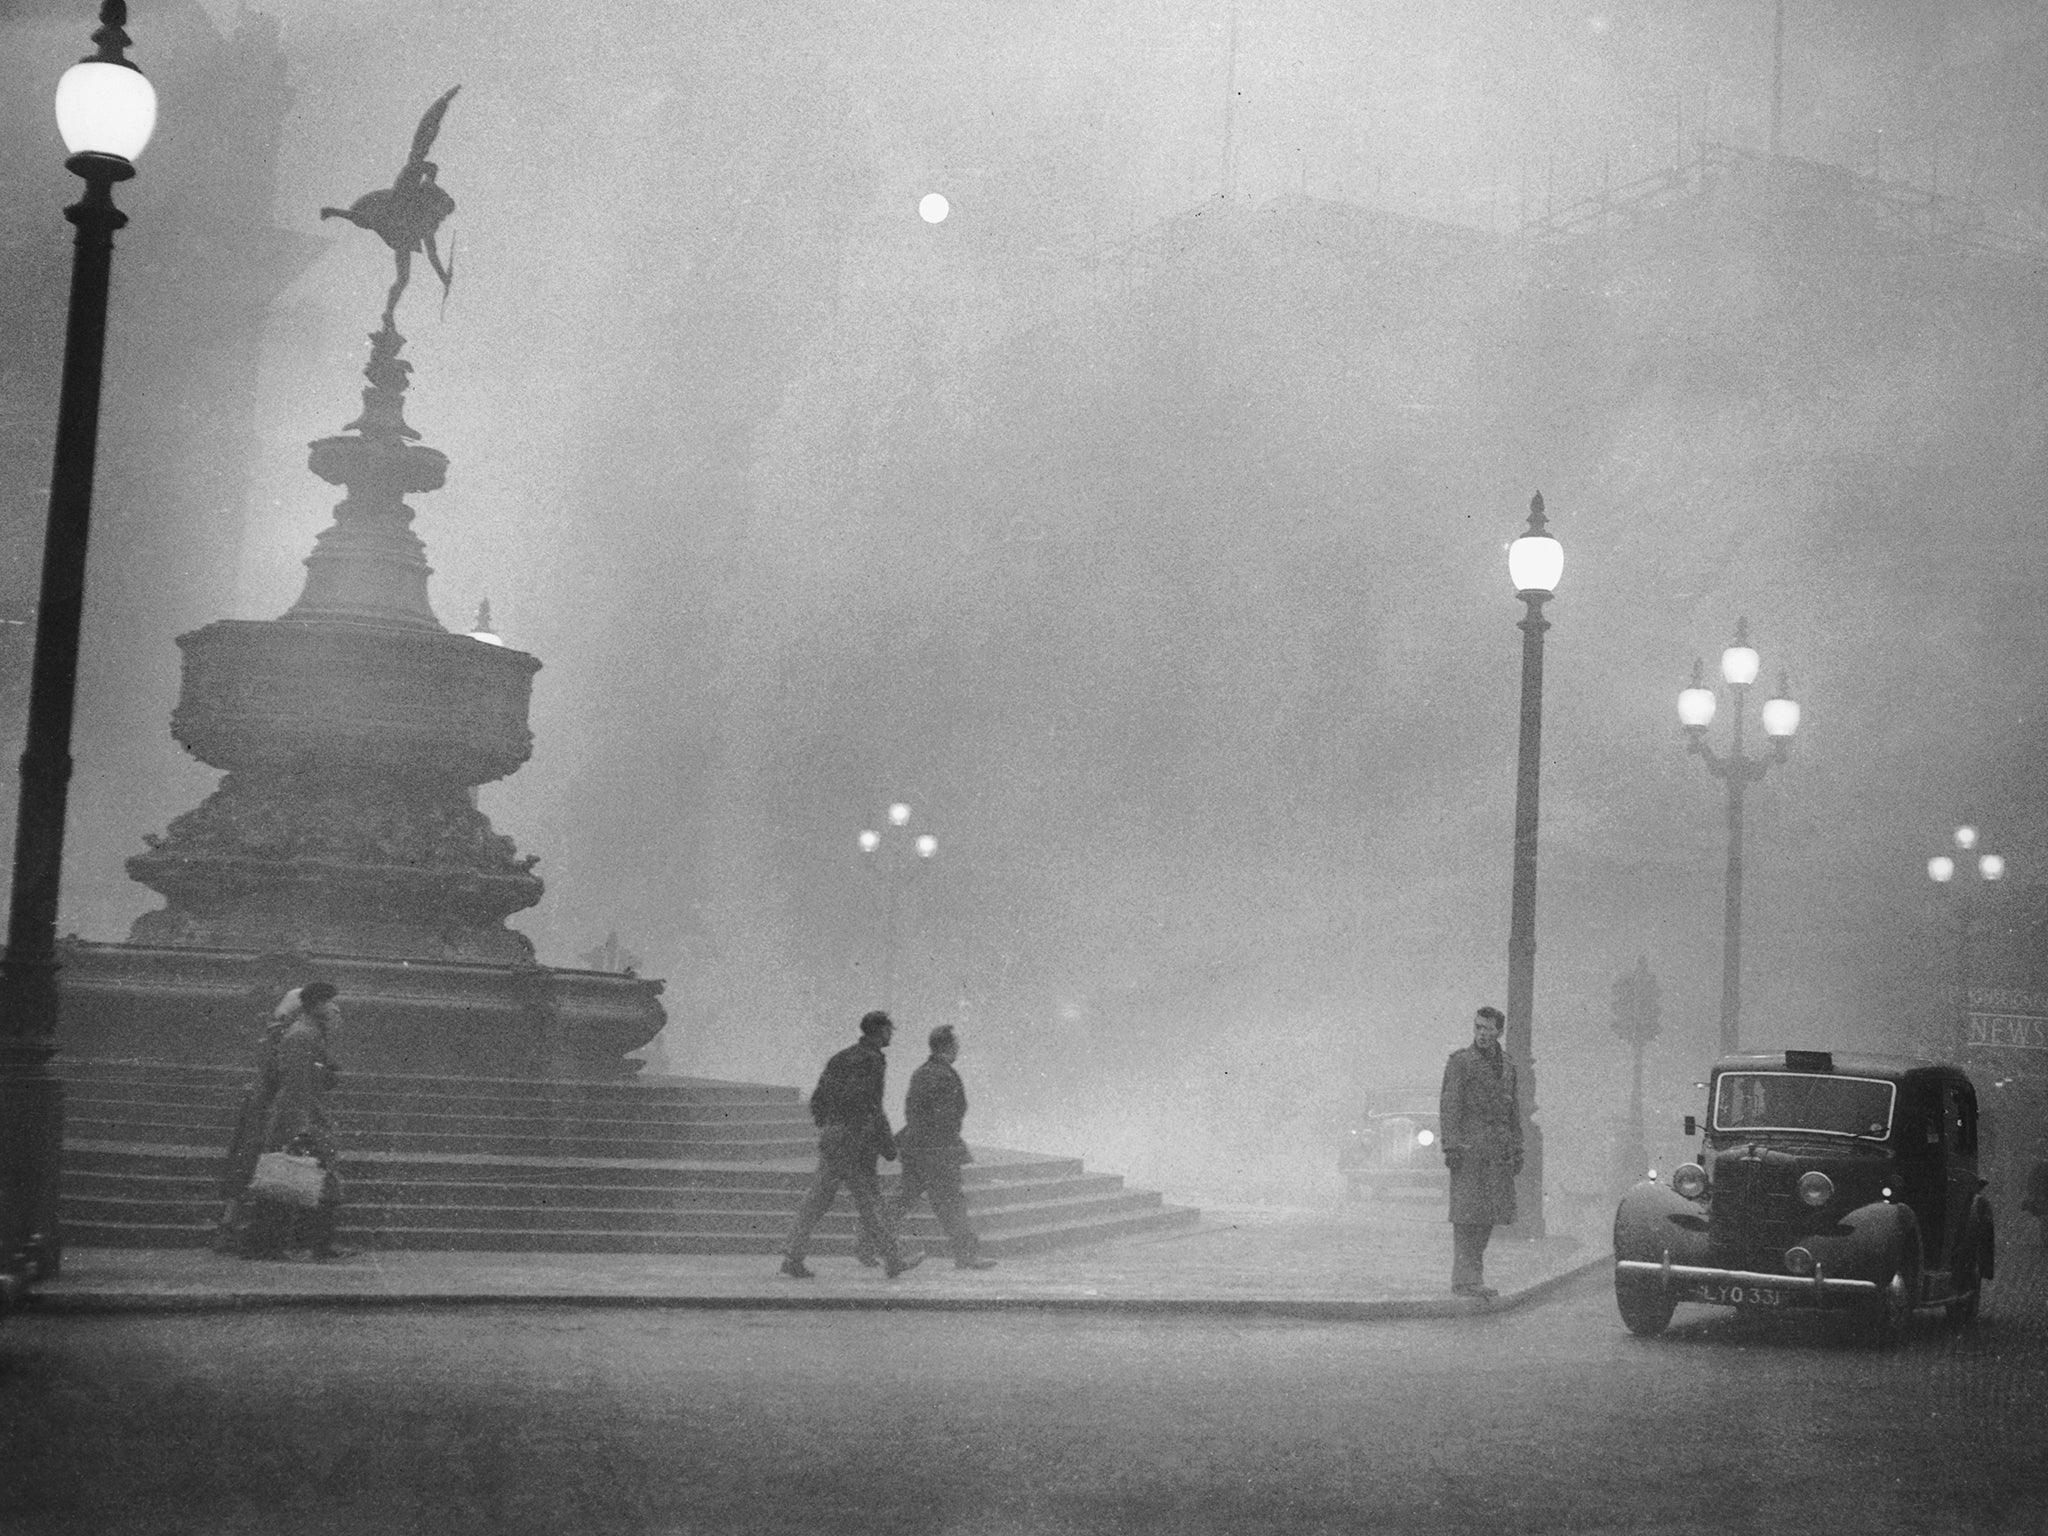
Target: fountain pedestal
<point>344,841</point>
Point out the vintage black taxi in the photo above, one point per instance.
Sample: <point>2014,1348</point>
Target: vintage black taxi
<point>1825,1181</point>
<point>1394,1153</point>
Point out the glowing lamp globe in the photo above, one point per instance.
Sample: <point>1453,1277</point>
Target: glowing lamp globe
<point>927,845</point>
<point>1696,707</point>
<point>899,813</point>
<point>1781,718</point>
<point>1739,665</point>
<point>870,841</point>
<point>1966,837</point>
<point>1992,866</point>
<point>105,109</point>
<point>1941,869</point>
<point>1535,560</point>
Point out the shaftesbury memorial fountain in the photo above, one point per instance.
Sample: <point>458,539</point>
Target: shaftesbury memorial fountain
<point>344,840</point>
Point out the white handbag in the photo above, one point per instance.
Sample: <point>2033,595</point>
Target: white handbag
<point>288,1178</point>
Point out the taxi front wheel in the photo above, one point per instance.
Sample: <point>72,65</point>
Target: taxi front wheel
<point>1886,1318</point>
<point>1645,1305</point>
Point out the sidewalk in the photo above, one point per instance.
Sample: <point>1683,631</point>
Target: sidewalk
<point>1265,1261</point>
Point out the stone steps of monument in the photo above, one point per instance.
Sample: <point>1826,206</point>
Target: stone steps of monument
<point>675,1166</point>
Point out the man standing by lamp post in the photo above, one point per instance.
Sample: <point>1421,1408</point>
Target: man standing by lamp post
<point>1480,1120</point>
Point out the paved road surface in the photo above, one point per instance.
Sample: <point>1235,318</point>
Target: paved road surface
<point>515,1420</point>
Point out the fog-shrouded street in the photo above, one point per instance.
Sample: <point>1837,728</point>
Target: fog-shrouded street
<point>1549,1418</point>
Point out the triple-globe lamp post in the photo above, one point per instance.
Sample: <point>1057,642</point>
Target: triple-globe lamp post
<point>1535,562</point>
<point>896,856</point>
<point>1963,872</point>
<point>1697,707</point>
<point>106,111</point>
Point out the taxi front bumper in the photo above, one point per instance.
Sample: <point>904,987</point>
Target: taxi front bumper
<point>1812,1290</point>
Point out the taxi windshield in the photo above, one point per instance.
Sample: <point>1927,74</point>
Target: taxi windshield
<point>1793,1101</point>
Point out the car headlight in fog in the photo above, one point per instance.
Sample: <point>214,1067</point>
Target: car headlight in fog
<point>1690,1180</point>
<point>1816,1188</point>
<point>1425,1138</point>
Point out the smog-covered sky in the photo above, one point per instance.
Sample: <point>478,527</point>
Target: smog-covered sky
<point>1142,523</point>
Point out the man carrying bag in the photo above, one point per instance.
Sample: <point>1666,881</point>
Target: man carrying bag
<point>280,1186</point>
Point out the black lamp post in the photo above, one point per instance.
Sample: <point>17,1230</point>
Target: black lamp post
<point>1979,869</point>
<point>106,111</point>
<point>1535,562</point>
<point>1696,707</point>
<point>897,858</point>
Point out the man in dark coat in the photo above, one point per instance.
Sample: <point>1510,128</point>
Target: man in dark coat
<point>933,1152</point>
<point>1480,1121</point>
<point>853,1130</point>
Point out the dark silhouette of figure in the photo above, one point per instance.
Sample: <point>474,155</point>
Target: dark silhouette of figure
<point>933,1152</point>
<point>853,1131</point>
<point>406,214</point>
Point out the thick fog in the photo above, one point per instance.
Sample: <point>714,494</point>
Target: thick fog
<point>1141,524</point>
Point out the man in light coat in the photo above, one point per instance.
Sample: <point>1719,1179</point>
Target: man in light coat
<point>1480,1121</point>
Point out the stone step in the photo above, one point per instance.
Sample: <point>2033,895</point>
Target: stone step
<point>114,1078</point>
<point>440,1095</point>
<point>726,1141</point>
<point>767,1217</point>
<point>834,1239</point>
<point>144,1190</point>
<point>180,1124</point>
<point>793,1172</point>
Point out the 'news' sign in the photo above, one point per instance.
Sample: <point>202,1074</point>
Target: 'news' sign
<point>2007,1032</point>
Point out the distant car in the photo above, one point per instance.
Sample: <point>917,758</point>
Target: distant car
<point>1825,1182</point>
<point>1394,1153</point>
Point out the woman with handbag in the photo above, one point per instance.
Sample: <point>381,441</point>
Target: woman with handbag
<point>280,1186</point>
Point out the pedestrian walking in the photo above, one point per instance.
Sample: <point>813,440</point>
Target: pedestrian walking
<point>1480,1122</point>
<point>286,1111</point>
<point>853,1131</point>
<point>933,1151</point>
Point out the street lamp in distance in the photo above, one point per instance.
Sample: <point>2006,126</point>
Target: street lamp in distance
<point>896,860</point>
<point>1697,707</point>
<point>1535,564</point>
<point>106,112</point>
<point>1976,868</point>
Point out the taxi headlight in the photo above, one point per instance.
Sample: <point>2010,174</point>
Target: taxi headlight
<point>1798,1261</point>
<point>1816,1188</point>
<point>1425,1138</point>
<point>1689,1180</point>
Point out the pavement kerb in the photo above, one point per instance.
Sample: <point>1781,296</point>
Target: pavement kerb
<point>109,1302</point>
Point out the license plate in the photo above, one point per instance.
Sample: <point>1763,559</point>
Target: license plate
<point>1738,1295</point>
